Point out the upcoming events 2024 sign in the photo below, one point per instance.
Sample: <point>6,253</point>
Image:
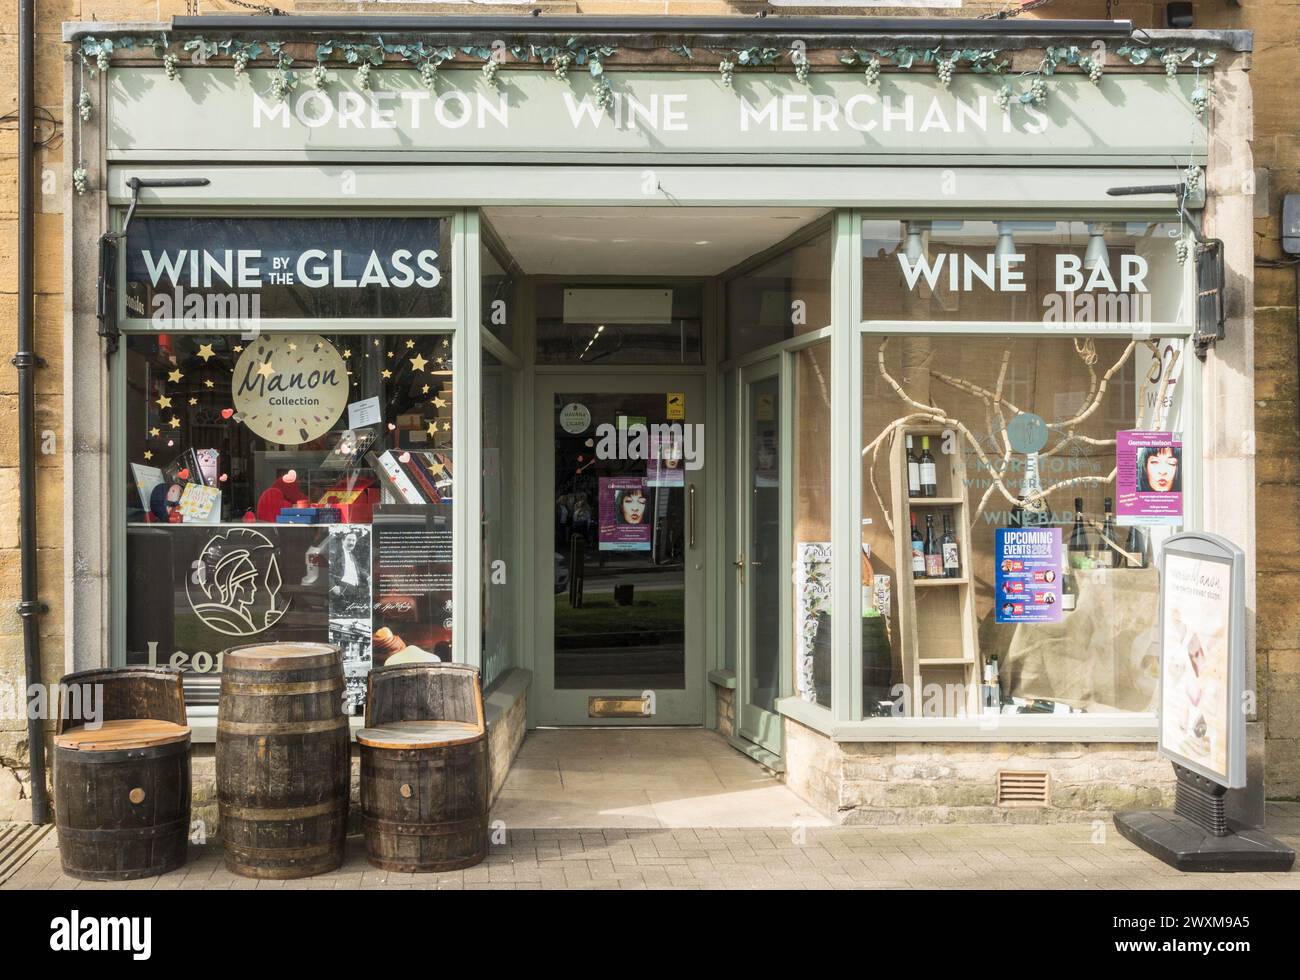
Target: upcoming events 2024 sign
<point>1029,571</point>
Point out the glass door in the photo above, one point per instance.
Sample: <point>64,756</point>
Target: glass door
<point>760,678</point>
<point>621,538</point>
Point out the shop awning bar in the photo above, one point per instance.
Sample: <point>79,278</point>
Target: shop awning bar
<point>597,26</point>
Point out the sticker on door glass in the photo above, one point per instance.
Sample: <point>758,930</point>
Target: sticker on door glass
<point>676,410</point>
<point>575,418</point>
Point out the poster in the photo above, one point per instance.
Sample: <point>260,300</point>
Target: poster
<point>411,583</point>
<point>666,457</point>
<point>348,557</point>
<point>1148,478</point>
<point>1195,688</point>
<point>625,518</point>
<point>1028,575</point>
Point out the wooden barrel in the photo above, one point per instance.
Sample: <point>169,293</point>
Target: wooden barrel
<point>424,768</point>
<point>283,763</point>
<point>122,779</point>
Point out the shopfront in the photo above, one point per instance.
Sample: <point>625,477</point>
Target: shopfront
<point>844,414</point>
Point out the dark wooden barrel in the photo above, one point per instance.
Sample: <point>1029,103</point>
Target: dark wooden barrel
<point>424,768</point>
<point>122,780</point>
<point>283,763</point>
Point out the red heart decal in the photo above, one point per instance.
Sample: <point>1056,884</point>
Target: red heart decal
<point>222,478</point>
<point>184,474</point>
<point>405,458</point>
<point>227,412</point>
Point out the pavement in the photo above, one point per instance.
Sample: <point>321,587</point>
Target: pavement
<point>683,810</point>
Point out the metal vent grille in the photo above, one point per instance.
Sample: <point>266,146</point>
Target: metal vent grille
<point>1022,788</point>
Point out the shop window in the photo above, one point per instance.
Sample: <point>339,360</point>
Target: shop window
<point>240,271</point>
<point>498,286</point>
<point>603,325</point>
<point>1059,273</point>
<point>499,557</point>
<point>288,486</point>
<point>812,523</point>
<point>1014,493</point>
<point>785,297</point>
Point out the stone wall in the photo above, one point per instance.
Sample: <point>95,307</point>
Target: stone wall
<point>726,701</point>
<point>955,782</point>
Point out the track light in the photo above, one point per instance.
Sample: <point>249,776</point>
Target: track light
<point>1096,253</point>
<point>914,247</point>
<point>1006,241</point>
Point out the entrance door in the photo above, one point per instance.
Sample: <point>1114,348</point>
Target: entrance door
<point>759,564</point>
<point>621,538</point>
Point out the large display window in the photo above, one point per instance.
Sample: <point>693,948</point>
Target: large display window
<point>289,486</point>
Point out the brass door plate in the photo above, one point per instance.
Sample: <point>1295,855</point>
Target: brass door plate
<point>614,707</point>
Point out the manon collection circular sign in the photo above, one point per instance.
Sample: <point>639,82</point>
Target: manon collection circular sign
<point>290,388</point>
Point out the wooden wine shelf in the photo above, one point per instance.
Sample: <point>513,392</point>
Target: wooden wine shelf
<point>933,619</point>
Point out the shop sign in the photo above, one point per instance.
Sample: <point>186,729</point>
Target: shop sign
<point>654,111</point>
<point>1202,662</point>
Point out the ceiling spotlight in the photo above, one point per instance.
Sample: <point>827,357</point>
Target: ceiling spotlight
<point>914,247</point>
<point>1096,253</point>
<point>1006,241</point>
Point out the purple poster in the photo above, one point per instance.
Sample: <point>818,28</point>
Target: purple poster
<point>625,518</point>
<point>1028,575</point>
<point>1148,478</point>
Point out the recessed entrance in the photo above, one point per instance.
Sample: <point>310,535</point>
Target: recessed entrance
<point>631,318</point>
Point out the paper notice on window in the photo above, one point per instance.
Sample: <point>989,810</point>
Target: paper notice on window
<point>363,413</point>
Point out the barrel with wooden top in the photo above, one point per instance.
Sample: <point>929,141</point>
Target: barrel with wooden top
<point>122,773</point>
<point>424,768</point>
<point>283,763</point>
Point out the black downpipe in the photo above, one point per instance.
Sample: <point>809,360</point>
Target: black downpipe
<point>26,361</point>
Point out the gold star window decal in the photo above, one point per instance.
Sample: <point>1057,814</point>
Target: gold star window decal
<point>175,376</point>
<point>266,370</point>
<point>208,383</point>
<point>239,348</point>
<point>154,433</point>
<point>205,352</point>
<point>194,401</point>
<point>347,353</point>
<point>175,423</point>
<point>433,428</point>
<point>424,390</point>
<point>148,454</point>
<point>386,373</point>
<point>439,401</point>
<point>292,347</point>
<point>164,401</point>
<point>410,344</point>
<point>418,362</point>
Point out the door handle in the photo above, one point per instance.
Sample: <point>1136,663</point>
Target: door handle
<point>740,567</point>
<point>690,516</point>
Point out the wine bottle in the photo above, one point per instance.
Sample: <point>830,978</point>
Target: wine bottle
<point>1034,511</point>
<point>951,562</point>
<point>918,551</point>
<point>1137,547</point>
<point>1111,556</point>
<point>933,553</point>
<point>1079,546</point>
<point>913,471</point>
<point>929,474</point>
<point>992,686</point>
<point>1069,590</point>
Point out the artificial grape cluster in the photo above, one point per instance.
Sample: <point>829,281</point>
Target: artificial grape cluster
<point>318,78</point>
<point>280,85</point>
<point>83,106</point>
<point>1192,178</point>
<point>363,76</point>
<point>172,67</point>
<point>428,74</point>
<point>241,62</point>
<point>944,68</point>
<point>604,95</point>
<point>726,69</point>
<point>101,60</point>
<point>1003,98</point>
<point>801,70</point>
<point>1170,61</point>
<point>562,62</point>
<point>1038,91</point>
<point>872,71</point>
<point>1095,71</point>
<point>1200,100</point>
<point>1182,250</point>
<point>79,180</point>
<point>490,69</point>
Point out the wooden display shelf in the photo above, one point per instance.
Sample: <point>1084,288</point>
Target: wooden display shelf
<point>930,617</point>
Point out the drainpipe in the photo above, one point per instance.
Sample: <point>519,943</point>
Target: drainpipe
<point>26,361</point>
